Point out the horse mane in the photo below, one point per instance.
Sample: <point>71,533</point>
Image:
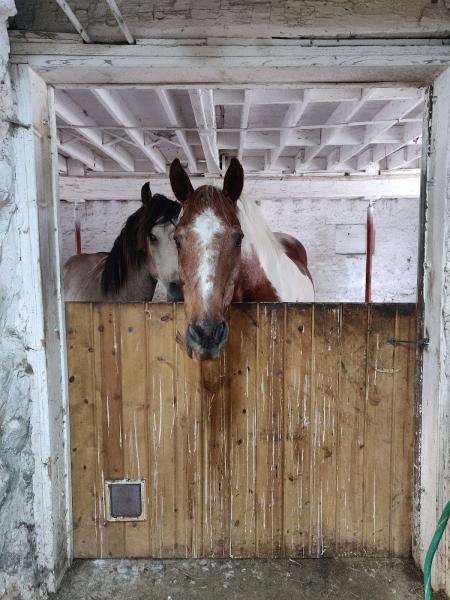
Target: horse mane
<point>130,250</point>
<point>282,272</point>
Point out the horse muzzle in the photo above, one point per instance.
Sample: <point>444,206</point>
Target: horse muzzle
<point>205,340</point>
<point>174,293</point>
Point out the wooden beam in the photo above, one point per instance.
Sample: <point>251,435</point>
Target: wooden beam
<point>403,158</point>
<point>175,118</point>
<point>173,61</point>
<point>390,114</point>
<point>73,114</point>
<point>263,188</point>
<point>122,114</point>
<point>342,113</point>
<point>83,153</point>
<point>64,6</point>
<point>120,21</point>
<point>244,122</point>
<point>412,134</point>
<point>202,101</point>
<point>62,164</point>
<point>290,119</point>
<point>286,96</point>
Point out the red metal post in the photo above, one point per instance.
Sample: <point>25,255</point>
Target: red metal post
<point>77,229</point>
<point>77,237</point>
<point>369,253</point>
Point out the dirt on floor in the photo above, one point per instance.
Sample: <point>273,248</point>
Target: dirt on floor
<point>210,579</point>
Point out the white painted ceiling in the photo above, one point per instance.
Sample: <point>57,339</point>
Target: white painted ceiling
<point>273,131</point>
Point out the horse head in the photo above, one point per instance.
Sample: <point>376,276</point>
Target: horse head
<point>145,242</point>
<point>208,237</point>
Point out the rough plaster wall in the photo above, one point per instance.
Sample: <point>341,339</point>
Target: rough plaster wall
<point>19,573</point>
<point>257,18</point>
<point>445,413</point>
<point>337,277</point>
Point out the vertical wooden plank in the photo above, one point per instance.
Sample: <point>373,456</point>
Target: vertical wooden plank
<point>242,352</point>
<point>189,515</point>
<point>324,426</point>
<point>350,433</point>
<point>82,429</point>
<point>297,429</point>
<point>216,485</point>
<point>135,415</point>
<point>161,390</point>
<point>269,458</point>
<point>378,430</point>
<point>403,432</point>
<point>109,417</point>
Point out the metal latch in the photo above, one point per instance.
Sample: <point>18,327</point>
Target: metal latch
<point>421,342</point>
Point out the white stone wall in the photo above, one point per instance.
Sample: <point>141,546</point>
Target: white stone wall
<point>20,576</point>
<point>337,277</point>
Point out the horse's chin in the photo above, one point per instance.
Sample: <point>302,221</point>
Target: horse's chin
<point>203,355</point>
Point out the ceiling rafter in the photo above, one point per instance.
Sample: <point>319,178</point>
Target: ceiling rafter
<point>412,135</point>
<point>70,112</point>
<point>290,119</point>
<point>79,151</point>
<point>282,131</point>
<point>64,6</point>
<point>343,112</point>
<point>120,21</point>
<point>388,116</point>
<point>174,115</point>
<point>245,113</point>
<point>403,158</point>
<point>202,101</point>
<point>295,112</point>
<point>121,113</point>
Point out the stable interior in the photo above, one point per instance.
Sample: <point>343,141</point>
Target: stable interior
<point>259,455</point>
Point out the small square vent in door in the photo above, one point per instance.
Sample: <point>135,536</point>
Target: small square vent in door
<point>125,500</point>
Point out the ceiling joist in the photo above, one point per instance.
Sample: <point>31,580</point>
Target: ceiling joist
<point>281,131</point>
<point>70,112</point>
<point>121,113</point>
<point>202,101</point>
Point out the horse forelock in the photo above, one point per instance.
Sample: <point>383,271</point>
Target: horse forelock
<point>162,210</point>
<point>205,198</point>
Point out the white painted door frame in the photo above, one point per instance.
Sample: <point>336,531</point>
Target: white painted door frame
<point>249,63</point>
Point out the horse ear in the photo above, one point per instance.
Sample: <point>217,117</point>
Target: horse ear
<point>146,194</point>
<point>180,182</point>
<point>234,180</point>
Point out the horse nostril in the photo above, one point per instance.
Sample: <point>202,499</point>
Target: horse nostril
<point>195,333</point>
<point>220,332</point>
<point>175,291</point>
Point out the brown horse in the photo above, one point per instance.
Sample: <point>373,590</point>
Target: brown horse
<point>142,254</point>
<point>226,252</point>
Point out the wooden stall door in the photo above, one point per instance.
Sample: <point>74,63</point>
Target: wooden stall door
<point>297,442</point>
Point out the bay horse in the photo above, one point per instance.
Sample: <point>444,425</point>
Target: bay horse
<point>227,253</point>
<point>143,253</point>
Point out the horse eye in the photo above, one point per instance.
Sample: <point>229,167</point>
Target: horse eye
<point>153,238</point>
<point>238,241</point>
<point>177,243</point>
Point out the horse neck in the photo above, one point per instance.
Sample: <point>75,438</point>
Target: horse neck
<point>265,265</point>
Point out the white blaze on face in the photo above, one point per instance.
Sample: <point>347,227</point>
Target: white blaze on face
<point>206,226</point>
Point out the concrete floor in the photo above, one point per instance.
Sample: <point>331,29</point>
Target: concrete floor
<point>325,579</point>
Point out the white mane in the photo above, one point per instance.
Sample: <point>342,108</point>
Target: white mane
<point>288,281</point>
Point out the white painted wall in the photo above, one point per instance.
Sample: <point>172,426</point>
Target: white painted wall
<point>337,277</point>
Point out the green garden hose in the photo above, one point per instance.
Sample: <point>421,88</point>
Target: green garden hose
<point>432,551</point>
